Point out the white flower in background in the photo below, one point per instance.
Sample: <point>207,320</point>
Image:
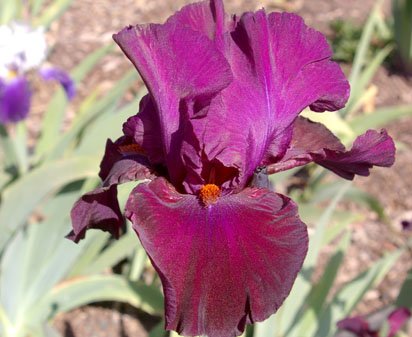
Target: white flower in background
<point>23,48</point>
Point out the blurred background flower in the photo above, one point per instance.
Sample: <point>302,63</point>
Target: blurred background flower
<point>22,49</point>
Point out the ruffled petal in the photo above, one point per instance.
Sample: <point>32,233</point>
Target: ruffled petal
<point>144,129</point>
<point>280,67</point>
<point>15,98</point>
<point>62,77</point>
<point>313,142</point>
<point>222,266</point>
<point>97,209</point>
<point>206,17</point>
<point>183,71</point>
<point>123,161</point>
<point>371,149</point>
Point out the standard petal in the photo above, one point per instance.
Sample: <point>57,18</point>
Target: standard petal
<point>280,67</point>
<point>15,97</point>
<point>183,71</point>
<point>221,266</point>
<point>313,142</point>
<point>62,77</point>
<point>206,17</point>
<point>97,209</point>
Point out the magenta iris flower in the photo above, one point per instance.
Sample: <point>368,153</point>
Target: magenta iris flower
<point>222,111</point>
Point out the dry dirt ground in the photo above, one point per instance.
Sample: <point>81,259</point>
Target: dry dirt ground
<point>89,24</point>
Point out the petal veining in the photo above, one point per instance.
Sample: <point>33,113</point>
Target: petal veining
<point>223,265</point>
<point>183,71</point>
<point>280,67</point>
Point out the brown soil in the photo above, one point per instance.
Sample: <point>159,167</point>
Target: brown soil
<point>89,24</point>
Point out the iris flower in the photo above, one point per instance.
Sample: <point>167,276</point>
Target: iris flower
<point>222,113</point>
<point>22,49</point>
<point>360,327</point>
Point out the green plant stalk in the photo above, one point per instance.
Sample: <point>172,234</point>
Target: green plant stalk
<point>402,14</point>
<point>10,10</point>
<point>361,51</point>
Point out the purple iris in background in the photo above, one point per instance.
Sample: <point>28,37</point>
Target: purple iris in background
<point>223,104</point>
<point>21,50</point>
<point>360,327</point>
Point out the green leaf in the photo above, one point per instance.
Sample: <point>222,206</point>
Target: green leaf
<point>332,232</point>
<point>21,197</point>
<point>10,10</point>
<point>316,242</point>
<point>20,145</point>
<point>83,120</point>
<point>52,12</point>
<point>11,275</point>
<point>358,88</point>
<point>115,253</point>
<point>308,322</point>
<point>90,252</point>
<point>364,43</point>
<point>36,6</point>
<point>97,288</point>
<point>83,69</point>
<point>326,191</point>
<point>158,330</point>
<point>352,293</point>
<point>404,298</point>
<point>266,328</point>
<point>39,258</point>
<point>379,118</point>
<point>48,256</point>
<point>402,14</point>
<point>7,154</point>
<point>56,109</point>
<point>293,304</point>
<point>138,264</point>
<point>94,141</point>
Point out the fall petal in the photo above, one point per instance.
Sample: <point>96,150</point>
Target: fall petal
<point>15,98</point>
<point>123,161</point>
<point>313,142</point>
<point>62,77</point>
<point>224,265</point>
<point>96,209</point>
<point>371,149</point>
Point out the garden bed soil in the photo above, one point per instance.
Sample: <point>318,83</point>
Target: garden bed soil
<point>89,24</point>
